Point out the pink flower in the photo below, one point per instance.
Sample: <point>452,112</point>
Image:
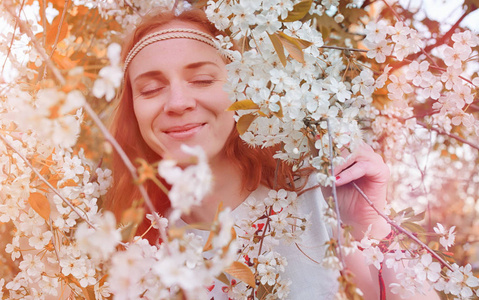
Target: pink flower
<point>398,87</point>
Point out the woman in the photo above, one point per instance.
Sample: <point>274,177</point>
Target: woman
<point>173,94</point>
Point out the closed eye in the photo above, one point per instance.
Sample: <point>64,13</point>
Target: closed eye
<point>203,82</point>
<point>150,92</point>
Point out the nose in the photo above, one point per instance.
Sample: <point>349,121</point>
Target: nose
<point>179,100</point>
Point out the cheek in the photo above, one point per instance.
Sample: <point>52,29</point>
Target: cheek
<point>144,115</point>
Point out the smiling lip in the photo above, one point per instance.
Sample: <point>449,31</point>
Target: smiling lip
<point>184,131</point>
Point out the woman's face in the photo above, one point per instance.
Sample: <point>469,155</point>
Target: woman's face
<point>178,96</point>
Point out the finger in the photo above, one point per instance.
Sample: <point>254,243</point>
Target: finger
<point>350,174</point>
<point>370,166</point>
<point>362,152</point>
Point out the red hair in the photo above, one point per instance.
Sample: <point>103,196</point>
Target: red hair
<point>257,165</point>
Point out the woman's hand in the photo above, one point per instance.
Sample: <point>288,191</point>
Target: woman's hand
<point>368,170</point>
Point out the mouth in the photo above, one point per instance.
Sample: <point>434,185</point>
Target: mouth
<point>184,131</point>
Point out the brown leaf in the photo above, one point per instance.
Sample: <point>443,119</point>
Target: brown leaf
<point>278,46</point>
<point>294,46</point>
<point>128,232</point>
<point>133,215</point>
<point>299,11</point>
<point>222,277</point>
<point>244,122</point>
<point>40,204</point>
<point>354,14</point>
<point>209,242</point>
<point>242,105</point>
<point>279,114</point>
<point>53,31</point>
<point>241,272</point>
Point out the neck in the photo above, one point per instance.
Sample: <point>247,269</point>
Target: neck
<point>227,188</point>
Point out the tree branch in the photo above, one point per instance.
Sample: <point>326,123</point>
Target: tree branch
<point>440,41</point>
<point>68,203</point>
<point>335,196</point>
<point>13,38</point>
<point>54,46</point>
<point>402,230</point>
<point>26,29</point>
<point>129,166</point>
<point>451,135</point>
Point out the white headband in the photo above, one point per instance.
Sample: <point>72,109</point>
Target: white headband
<point>173,33</point>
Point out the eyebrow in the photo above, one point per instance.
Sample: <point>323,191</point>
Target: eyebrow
<point>191,66</point>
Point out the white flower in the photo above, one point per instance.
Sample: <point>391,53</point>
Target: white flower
<point>379,51</point>
<point>113,53</point>
<point>373,255</point>
<point>110,79</point>
<point>340,89</point>
<point>461,281</point>
<point>154,220</point>
<point>277,199</point>
<point>14,248</point>
<point>426,268</point>
<point>256,208</point>
<point>417,72</point>
<point>376,32</point>
<point>40,239</point>
<point>453,58</point>
<point>190,185</point>
<point>32,265</point>
<point>49,285</point>
<point>100,242</point>
<point>446,237</point>
<point>398,87</point>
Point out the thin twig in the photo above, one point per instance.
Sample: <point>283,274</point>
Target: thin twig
<point>335,196</point>
<point>26,29</point>
<point>44,21</point>
<point>129,165</point>
<point>402,230</point>
<point>344,48</point>
<point>175,6</point>
<point>54,46</point>
<point>85,218</point>
<point>266,225</point>
<point>451,135</point>
<point>13,37</point>
<point>443,39</point>
<point>53,242</point>
<point>400,19</point>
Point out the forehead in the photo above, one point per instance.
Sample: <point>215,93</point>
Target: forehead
<point>174,52</point>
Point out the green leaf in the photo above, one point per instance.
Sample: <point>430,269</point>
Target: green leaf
<point>299,11</point>
<point>278,46</point>
<point>406,213</point>
<point>418,217</point>
<point>242,105</point>
<point>415,228</point>
<point>244,122</point>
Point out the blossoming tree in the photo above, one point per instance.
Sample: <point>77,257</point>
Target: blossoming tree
<point>311,76</point>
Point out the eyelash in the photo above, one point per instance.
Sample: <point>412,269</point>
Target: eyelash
<point>205,82</point>
<point>150,92</point>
